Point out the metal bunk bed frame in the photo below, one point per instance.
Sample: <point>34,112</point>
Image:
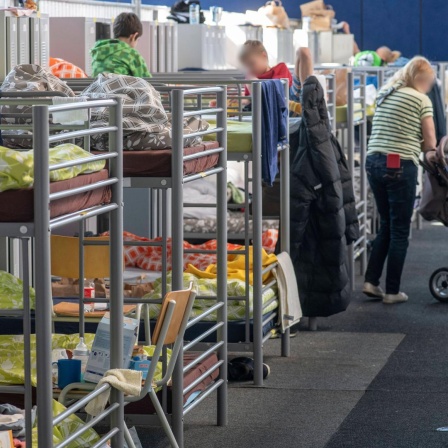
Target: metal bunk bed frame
<point>160,211</point>
<point>191,81</point>
<point>40,229</point>
<point>254,157</point>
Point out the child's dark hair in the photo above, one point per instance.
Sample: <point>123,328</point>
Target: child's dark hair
<point>126,24</point>
<point>251,47</point>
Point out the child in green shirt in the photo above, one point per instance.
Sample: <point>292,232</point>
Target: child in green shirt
<point>119,55</point>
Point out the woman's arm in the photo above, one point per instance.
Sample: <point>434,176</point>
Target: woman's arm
<point>429,134</point>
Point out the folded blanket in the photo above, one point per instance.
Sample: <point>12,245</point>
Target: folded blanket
<point>127,381</point>
<point>288,292</point>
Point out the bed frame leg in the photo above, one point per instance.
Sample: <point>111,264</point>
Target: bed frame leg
<point>286,345</point>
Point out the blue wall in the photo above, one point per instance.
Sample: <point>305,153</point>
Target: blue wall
<point>410,26</point>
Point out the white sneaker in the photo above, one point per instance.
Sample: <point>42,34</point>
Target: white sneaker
<point>373,291</point>
<point>401,297</point>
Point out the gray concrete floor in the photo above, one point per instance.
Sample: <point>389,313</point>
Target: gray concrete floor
<point>372,377</point>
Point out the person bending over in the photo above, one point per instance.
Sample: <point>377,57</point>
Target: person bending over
<point>402,127</point>
<point>118,55</point>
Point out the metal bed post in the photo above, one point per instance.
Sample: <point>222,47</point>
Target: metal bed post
<point>285,213</point>
<point>363,174</point>
<point>257,231</point>
<point>116,270</point>
<point>26,338</point>
<point>350,160</point>
<point>43,310</point>
<point>177,250</point>
<point>332,101</point>
<point>221,214</point>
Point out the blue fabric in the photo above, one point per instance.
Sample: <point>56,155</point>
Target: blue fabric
<point>295,91</point>
<point>394,191</point>
<point>273,128</point>
<point>370,79</point>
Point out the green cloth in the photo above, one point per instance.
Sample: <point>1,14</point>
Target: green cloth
<point>11,292</point>
<point>368,59</point>
<point>236,309</point>
<point>116,56</point>
<point>239,135</point>
<point>17,167</point>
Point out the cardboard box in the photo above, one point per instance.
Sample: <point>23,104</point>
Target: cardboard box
<point>99,359</point>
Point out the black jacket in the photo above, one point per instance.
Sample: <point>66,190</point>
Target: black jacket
<point>323,213</point>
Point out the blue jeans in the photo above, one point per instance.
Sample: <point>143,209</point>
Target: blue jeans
<point>394,191</point>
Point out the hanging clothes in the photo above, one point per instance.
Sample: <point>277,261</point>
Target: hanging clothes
<point>323,212</point>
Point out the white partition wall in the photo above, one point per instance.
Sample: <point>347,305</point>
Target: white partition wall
<point>85,31</point>
<point>8,35</point>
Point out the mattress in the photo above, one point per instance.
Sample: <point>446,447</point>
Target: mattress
<point>18,205</point>
<point>157,163</point>
<point>239,136</point>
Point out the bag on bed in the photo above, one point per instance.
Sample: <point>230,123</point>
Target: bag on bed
<point>27,78</point>
<point>146,124</point>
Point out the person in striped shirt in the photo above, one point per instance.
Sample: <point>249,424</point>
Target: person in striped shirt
<point>403,126</point>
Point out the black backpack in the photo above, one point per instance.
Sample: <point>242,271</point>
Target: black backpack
<point>180,11</point>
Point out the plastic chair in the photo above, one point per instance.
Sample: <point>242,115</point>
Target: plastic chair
<point>169,331</point>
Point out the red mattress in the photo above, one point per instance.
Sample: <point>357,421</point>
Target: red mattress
<point>157,163</point>
<point>18,205</point>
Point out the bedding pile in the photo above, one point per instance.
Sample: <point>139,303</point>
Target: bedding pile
<point>150,258</point>
<point>11,292</point>
<point>146,124</point>
<point>27,78</point>
<point>17,167</point>
<point>236,309</point>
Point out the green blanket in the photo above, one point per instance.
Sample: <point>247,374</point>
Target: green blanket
<point>239,135</point>
<point>17,167</point>
<point>11,292</point>
<point>236,309</point>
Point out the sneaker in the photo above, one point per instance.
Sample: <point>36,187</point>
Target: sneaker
<point>373,291</point>
<point>401,297</point>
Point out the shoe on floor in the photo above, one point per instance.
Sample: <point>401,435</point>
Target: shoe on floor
<point>373,291</point>
<point>249,362</point>
<point>401,297</point>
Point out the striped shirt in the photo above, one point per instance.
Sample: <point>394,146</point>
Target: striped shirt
<point>397,124</point>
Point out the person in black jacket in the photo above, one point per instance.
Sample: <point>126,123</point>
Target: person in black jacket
<point>323,213</point>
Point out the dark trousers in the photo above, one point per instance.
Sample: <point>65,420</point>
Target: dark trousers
<point>394,191</point>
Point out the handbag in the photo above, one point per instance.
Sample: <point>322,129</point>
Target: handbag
<point>276,13</point>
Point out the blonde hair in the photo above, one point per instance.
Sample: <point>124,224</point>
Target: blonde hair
<point>416,68</point>
<point>251,47</point>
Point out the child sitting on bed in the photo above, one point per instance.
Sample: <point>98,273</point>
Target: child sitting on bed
<point>118,55</point>
<point>255,60</point>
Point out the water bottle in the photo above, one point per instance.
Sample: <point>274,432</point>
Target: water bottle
<point>195,12</point>
<point>81,352</point>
